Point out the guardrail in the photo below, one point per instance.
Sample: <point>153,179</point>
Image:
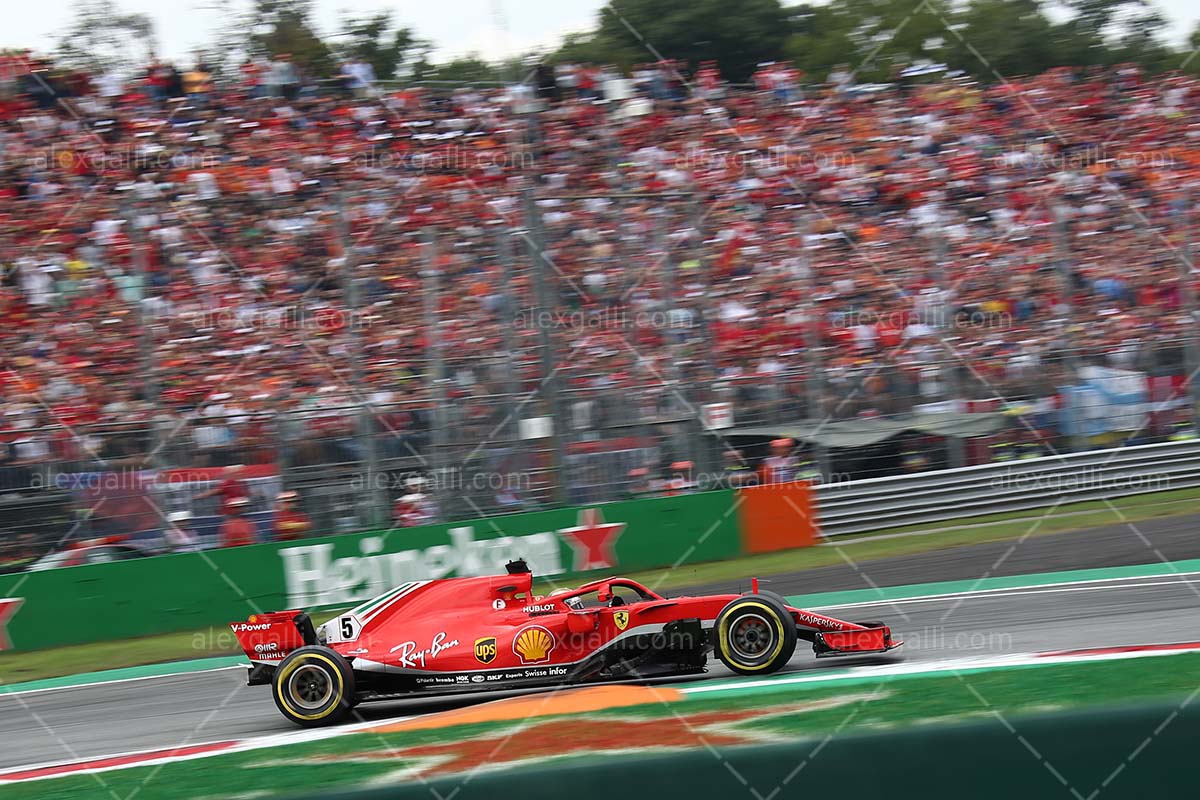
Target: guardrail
<point>1018,485</point>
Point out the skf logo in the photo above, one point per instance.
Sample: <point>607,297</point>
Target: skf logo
<point>621,618</point>
<point>534,644</point>
<point>485,650</point>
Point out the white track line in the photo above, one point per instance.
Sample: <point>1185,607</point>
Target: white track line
<point>238,746</point>
<point>916,668</point>
<point>1132,582</point>
<point>14,692</point>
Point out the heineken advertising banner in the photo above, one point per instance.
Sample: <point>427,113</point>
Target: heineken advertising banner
<point>193,590</point>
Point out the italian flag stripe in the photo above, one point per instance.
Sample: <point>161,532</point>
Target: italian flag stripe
<point>367,606</point>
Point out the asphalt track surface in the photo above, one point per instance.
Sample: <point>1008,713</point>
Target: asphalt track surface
<point>174,711</point>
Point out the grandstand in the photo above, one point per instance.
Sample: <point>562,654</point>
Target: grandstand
<point>529,298</point>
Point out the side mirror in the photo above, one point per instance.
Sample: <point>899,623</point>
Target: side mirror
<point>604,594</point>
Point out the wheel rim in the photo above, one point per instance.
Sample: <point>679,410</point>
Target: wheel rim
<point>751,636</point>
<point>310,687</point>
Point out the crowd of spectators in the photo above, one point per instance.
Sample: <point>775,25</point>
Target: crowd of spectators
<point>211,258</point>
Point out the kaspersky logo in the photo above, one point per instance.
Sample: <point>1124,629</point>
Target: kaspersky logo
<point>8,609</point>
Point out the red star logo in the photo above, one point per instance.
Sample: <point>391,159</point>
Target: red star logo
<point>593,540</point>
<point>8,609</point>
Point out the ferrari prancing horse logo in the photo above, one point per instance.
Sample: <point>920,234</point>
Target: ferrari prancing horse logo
<point>485,650</point>
<point>621,618</point>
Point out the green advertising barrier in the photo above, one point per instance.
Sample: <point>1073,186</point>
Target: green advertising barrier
<point>1122,753</point>
<point>194,590</point>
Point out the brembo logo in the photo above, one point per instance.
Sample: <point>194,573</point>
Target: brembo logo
<point>315,578</point>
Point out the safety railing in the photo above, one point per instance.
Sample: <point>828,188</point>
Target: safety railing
<point>1007,486</point>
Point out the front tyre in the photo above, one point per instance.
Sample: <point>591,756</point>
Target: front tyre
<point>755,635</point>
<point>314,686</point>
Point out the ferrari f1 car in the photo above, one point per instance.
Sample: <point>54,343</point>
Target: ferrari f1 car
<point>461,635</point>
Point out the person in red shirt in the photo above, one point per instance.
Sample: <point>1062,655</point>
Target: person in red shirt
<point>237,530</point>
<point>230,489</point>
<point>290,523</point>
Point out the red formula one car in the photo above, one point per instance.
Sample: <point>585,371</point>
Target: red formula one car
<point>477,634</point>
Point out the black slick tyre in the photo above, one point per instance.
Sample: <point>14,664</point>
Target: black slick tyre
<point>754,635</point>
<point>313,686</point>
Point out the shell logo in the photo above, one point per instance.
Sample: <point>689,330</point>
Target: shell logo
<point>534,644</point>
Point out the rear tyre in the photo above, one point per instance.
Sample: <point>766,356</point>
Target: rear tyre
<point>314,686</point>
<point>755,635</point>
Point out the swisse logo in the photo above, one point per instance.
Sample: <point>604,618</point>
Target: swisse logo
<point>244,627</point>
<point>315,578</point>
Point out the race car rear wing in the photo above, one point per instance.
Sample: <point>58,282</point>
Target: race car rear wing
<point>268,638</point>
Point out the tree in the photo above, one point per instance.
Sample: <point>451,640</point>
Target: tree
<point>373,39</point>
<point>285,26</point>
<point>1110,32</point>
<point>736,33</point>
<point>1005,38</point>
<point>469,69</point>
<point>1191,59</point>
<point>102,37</point>
<point>871,37</point>
<point>822,39</point>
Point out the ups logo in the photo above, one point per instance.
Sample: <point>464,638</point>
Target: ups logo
<point>485,650</point>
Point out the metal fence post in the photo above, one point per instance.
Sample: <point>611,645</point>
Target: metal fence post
<point>377,504</point>
<point>1062,250</point>
<point>150,389</point>
<point>547,300</point>
<point>438,444</point>
<point>956,447</point>
<point>815,390</point>
<point>1187,290</point>
<point>511,430</point>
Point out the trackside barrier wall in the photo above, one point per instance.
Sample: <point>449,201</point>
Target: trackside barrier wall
<point>194,590</point>
<point>1018,485</point>
<point>1125,753</point>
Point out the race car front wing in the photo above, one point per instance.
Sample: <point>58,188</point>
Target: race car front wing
<point>861,641</point>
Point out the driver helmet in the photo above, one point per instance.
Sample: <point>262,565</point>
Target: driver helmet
<point>570,602</point>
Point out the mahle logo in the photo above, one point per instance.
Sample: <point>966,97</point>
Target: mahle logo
<point>315,578</point>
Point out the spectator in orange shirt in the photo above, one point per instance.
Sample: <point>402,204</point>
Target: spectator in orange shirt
<point>237,530</point>
<point>290,523</point>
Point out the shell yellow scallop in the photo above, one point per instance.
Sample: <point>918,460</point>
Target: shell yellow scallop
<point>534,644</point>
